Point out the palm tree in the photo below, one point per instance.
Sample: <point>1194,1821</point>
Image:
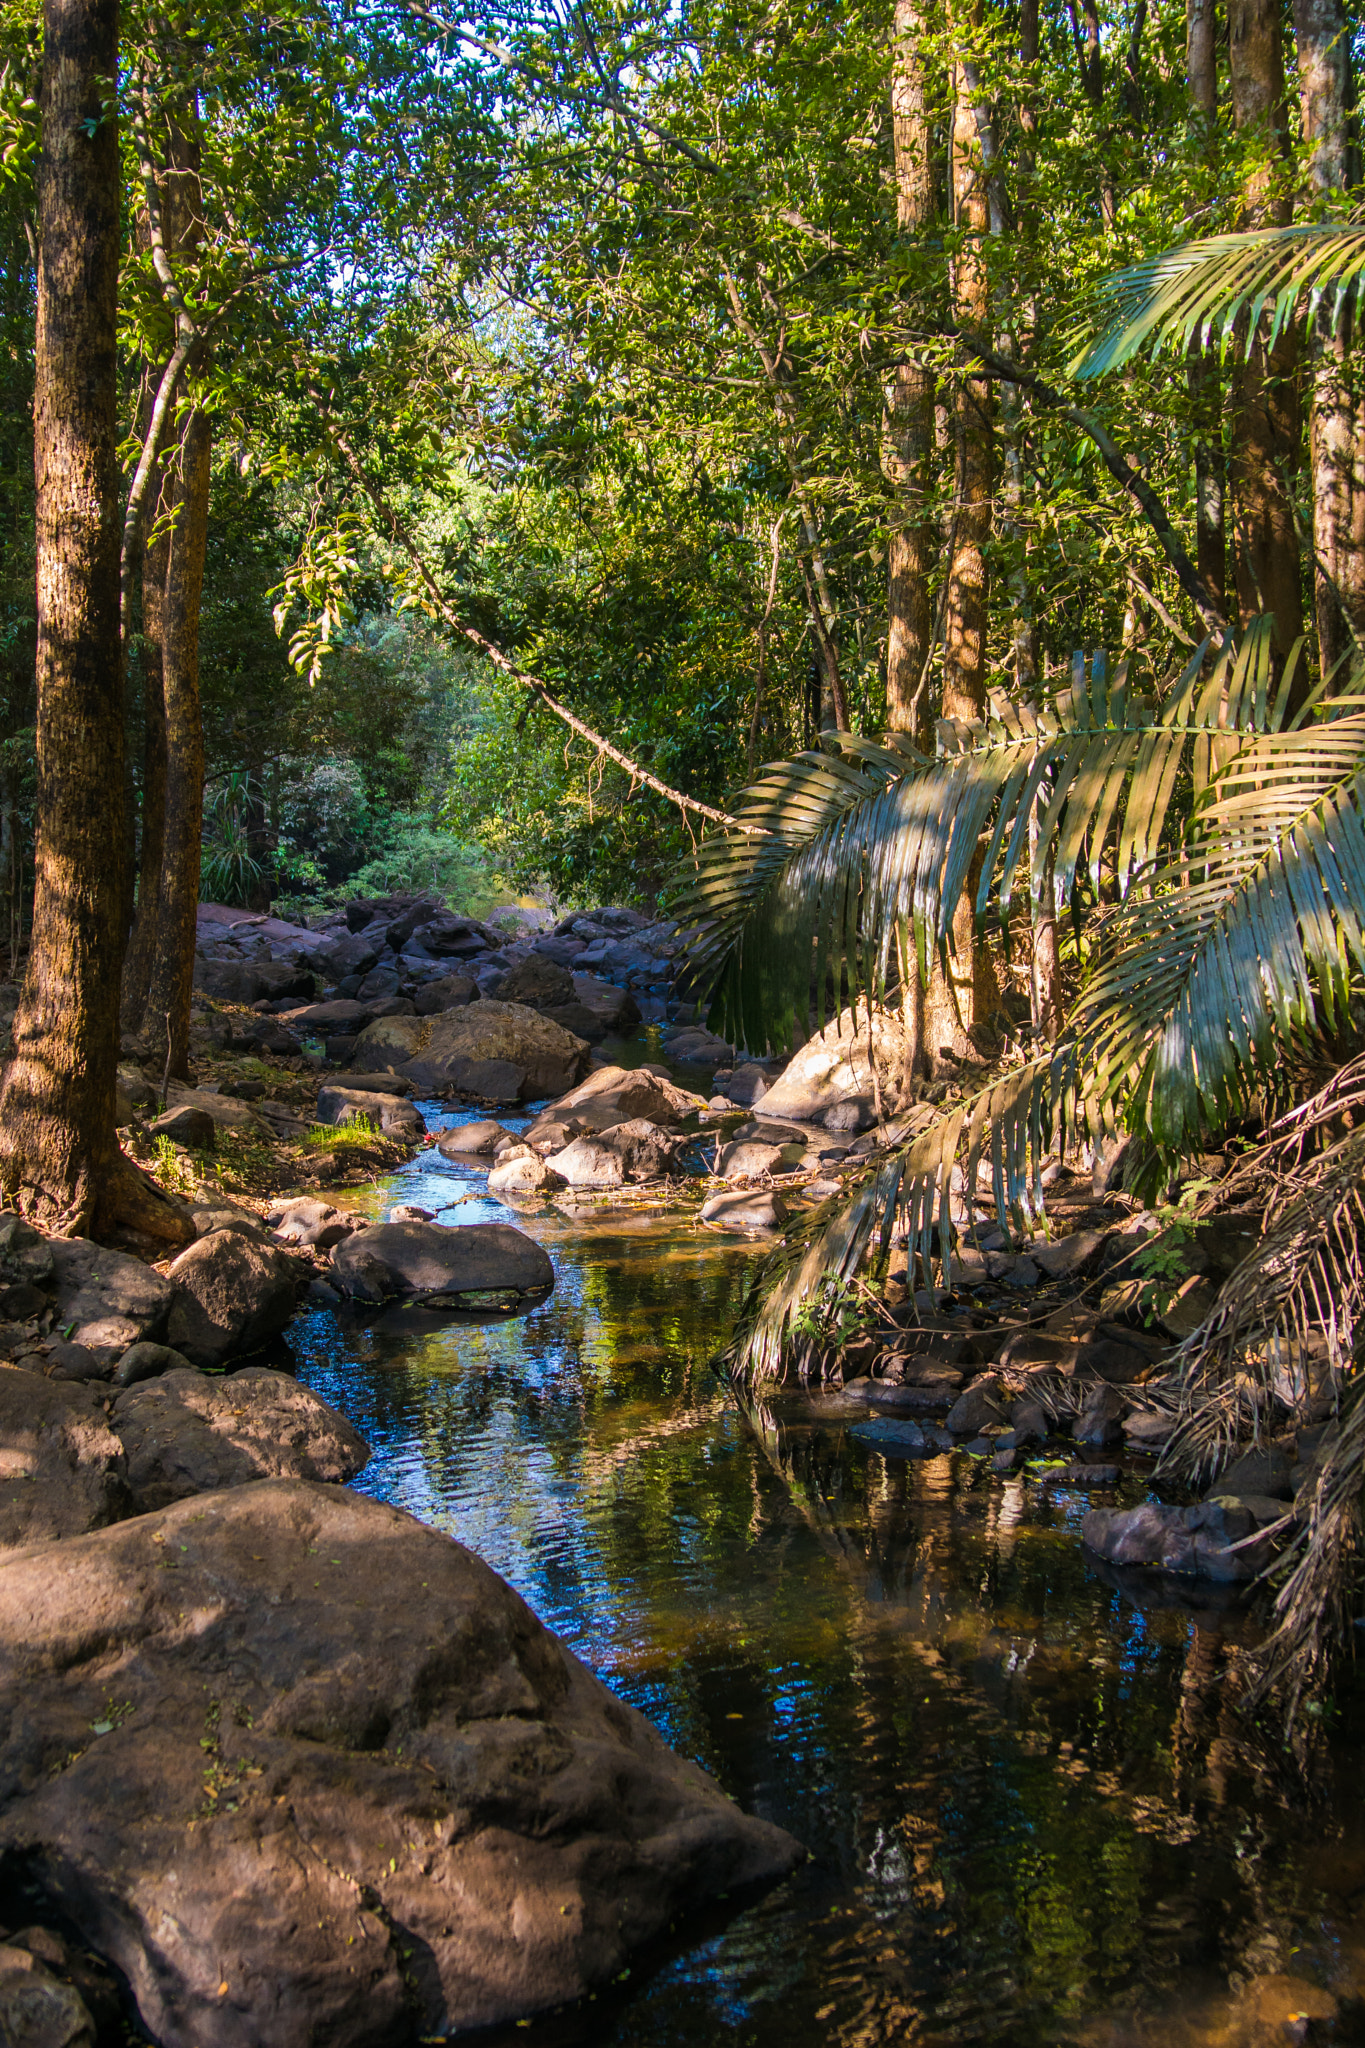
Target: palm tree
<point>1217,850</point>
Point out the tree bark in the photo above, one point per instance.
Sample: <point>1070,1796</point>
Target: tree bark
<point>137,966</point>
<point>166,1020</point>
<point>59,1156</point>
<point>1267,425</point>
<point>1204,375</point>
<point>952,1004</point>
<point>911,548</point>
<point>1322,37</point>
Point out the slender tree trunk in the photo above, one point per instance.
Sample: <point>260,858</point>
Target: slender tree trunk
<point>166,1023</point>
<point>1204,373</point>
<point>951,1010</point>
<point>1322,37</point>
<point>1267,426</point>
<point>59,1156</point>
<point>911,547</point>
<point>137,967</point>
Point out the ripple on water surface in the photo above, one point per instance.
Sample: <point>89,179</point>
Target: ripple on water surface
<point>1031,1811</point>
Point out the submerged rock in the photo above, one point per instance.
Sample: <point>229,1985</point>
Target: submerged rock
<point>466,1265</point>
<point>318,1813</point>
<point>1207,1541</point>
<point>184,1434</point>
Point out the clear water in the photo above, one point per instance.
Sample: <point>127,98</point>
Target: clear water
<point>1032,1812</point>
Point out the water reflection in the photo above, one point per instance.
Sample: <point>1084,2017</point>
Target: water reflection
<point>1032,1813</point>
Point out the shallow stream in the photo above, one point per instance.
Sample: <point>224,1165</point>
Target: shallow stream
<point>1032,1815</point>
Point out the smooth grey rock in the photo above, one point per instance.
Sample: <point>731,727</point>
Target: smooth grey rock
<point>448,992</point>
<point>522,1172</point>
<point>617,1095</point>
<point>233,1295</point>
<point>473,1140</point>
<point>405,1767</point>
<point>452,1265</point>
<point>1069,1255</point>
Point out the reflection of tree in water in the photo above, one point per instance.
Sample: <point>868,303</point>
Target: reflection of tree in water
<point>1132,1845</point>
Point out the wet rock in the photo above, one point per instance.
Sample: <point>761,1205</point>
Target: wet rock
<point>634,1151</point>
<point>830,1081</point>
<point>1100,1421</point>
<point>425,1800</point>
<point>192,1128</point>
<point>697,1047</point>
<point>761,1209</point>
<point>1195,1541</point>
<point>183,1434</point>
<point>107,1300</point>
<point>232,1295</point>
<point>307,1221</point>
<point>1118,1364</point>
<point>1082,1474</point>
<point>394,1115</point>
<point>894,1439</point>
<point>61,1466</point>
<point>617,1095</point>
<point>449,992</point>
<point>977,1408</point>
<point>458,1051</point>
<point>443,1265</point>
<point>147,1362</point>
<point>1266,1471</point>
<point>1005,1458</point>
<point>472,1141</point>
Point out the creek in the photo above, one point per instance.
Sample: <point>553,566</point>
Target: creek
<point>1032,1812</point>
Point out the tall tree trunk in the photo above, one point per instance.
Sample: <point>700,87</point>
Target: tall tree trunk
<point>1322,37</point>
<point>137,967</point>
<point>1203,373</point>
<point>911,547</point>
<point>166,1023</point>
<point>1267,428</point>
<point>951,1008</point>
<point>59,1156</point>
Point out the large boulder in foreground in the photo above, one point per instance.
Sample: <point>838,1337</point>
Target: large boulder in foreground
<point>830,1081</point>
<point>444,1265</point>
<point>233,1294</point>
<point>292,1807</point>
<point>61,1466</point>
<point>184,1434</point>
<point>492,1051</point>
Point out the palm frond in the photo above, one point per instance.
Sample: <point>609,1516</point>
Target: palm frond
<point>907,1196</point>
<point>1203,288</point>
<point>795,912</point>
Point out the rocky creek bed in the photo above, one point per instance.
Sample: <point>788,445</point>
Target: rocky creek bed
<point>406,1808</point>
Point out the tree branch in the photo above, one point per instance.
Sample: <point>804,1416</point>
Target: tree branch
<point>400,533</point>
